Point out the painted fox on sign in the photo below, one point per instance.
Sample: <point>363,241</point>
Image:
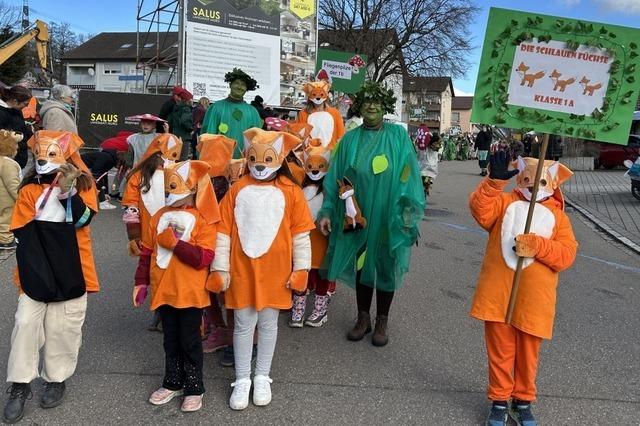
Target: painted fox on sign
<point>560,85</point>
<point>528,79</point>
<point>589,89</point>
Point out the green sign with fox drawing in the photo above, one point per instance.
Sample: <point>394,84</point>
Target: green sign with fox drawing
<point>557,75</point>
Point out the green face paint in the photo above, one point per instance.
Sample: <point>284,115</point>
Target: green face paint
<point>238,89</point>
<point>372,113</point>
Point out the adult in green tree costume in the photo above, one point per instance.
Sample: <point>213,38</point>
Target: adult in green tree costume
<point>372,252</point>
<point>232,116</point>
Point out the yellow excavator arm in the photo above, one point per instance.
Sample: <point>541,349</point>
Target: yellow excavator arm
<point>39,31</point>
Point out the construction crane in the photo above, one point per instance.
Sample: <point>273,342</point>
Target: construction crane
<point>37,31</point>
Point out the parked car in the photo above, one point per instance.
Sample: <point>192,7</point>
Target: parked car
<point>612,155</point>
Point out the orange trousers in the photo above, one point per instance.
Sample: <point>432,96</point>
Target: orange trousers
<point>513,362</point>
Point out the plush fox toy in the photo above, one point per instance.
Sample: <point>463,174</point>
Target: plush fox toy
<point>353,219</point>
<point>326,121</point>
<point>549,249</point>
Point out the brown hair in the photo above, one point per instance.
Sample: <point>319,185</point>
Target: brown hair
<point>147,168</point>
<point>19,93</point>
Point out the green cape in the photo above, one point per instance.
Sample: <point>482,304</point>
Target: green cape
<point>392,201</point>
<point>234,118</point>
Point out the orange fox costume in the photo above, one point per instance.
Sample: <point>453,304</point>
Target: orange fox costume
<point>56,270</point>
<point>327,124</point>
<point>175,281</point>
<point>140,206</point>
<point>316,164</point>
<point>551,248</point>
<point>259,222</point>
<point>175,263</point>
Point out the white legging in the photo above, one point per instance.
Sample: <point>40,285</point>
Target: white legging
<point>244,327</point>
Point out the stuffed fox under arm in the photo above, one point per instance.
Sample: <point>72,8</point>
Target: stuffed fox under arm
<point>558,252</point>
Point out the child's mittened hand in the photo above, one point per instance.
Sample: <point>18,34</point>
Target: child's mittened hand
<point>134,247</point>
<point>139,295</point>
<point>298,280</point>
<point>218,281</point>
<point>167,239</point>
<point>527,245</point>
<point>69,174</point>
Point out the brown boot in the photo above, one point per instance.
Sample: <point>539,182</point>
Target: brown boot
<point>362,327</point>
<point>380,337</point>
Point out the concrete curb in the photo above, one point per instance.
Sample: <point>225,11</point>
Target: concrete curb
<point>604,227</point>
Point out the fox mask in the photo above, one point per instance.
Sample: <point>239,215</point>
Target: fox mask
<point>317,91</point>
<point>187,178</point>
<point>553,175</point>
<point>52,149</point>
<point>316,160</point>
<point>266,150</point>
<point>169,146</point>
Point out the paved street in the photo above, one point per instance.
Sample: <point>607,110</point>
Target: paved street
<point>606,195</point>
<point>432,372</point>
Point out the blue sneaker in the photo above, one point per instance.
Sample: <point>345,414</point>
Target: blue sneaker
<point>498,414</point>
<point>521,413</point>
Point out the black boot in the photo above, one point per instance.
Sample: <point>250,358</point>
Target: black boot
<point>14,408</point>
<point>362,327</point>
<point>53,394</point>
<point>380,337</point>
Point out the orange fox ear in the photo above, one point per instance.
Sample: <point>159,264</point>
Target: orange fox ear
<point>249,135</point>
<point>290,142</point>
<point>307,88</point>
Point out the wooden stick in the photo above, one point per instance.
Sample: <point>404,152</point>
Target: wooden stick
<point>527,227</point>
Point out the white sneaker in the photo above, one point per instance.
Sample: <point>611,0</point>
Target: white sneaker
<point>261,390</point>
<point>105,205</point>
<point>240,396</point>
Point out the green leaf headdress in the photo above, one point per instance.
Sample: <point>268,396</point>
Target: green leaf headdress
<point>238,74</point>
<point>374,91</point>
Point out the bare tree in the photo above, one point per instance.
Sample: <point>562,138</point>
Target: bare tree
<point>417,37</point>
<point>62,41</point>
<point>10,16</point>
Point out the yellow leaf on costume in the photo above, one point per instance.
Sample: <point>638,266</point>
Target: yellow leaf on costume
<point>223,128</point>
<point>406,172</point>
<point>380,164</point>
<point>360,262</point>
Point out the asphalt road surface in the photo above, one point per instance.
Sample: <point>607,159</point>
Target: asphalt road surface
<point>433,372</point>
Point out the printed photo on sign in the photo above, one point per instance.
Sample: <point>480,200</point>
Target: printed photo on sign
<point>551,77</point>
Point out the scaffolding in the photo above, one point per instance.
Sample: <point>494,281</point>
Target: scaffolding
<point>158,24</point>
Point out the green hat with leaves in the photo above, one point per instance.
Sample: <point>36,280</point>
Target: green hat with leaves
<point>238,74</point>
<point>377,92</point>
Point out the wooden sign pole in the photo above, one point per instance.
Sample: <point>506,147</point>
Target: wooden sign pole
<point>527,227</point>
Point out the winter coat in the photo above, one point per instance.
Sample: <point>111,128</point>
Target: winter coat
<point>181,124</point>
<point>56,116</point>
<point>12,119</point>
<point>483,141</point>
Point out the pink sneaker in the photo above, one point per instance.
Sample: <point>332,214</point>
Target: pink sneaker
<point>162,396</point>
<point>191,403</point>
<point>218,339</point>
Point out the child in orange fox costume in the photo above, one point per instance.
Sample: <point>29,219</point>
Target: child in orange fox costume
<point>217,151</point>
<point>550,248</point>
<point>174,261</point>
<point>316,164</point>
<point>327,122</point>
<point>263,254</point>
